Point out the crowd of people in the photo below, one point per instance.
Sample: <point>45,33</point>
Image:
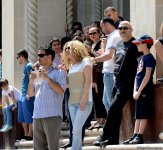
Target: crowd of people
<point>95,70</point>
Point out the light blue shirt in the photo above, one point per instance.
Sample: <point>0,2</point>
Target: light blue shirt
<point>48,103</point>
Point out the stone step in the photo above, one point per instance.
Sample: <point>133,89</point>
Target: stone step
<point>87,141</point>
<point>94,132</point>
<point>28,145</point>
<point>158,146</point>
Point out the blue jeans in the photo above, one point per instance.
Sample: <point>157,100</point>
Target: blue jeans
<point>108,87</point>
<point>78,119</point>
<point>7,114</point>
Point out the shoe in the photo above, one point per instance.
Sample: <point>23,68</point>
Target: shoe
<point>129,140</point>
<point>137,140</point>
<point>66,145</point>
<point>28,138</point>
<point>109,141</point>
<point>2,128</point>
<point>6,128</point>
<point>22,138</point>
<point>98,126</point>
<point>93,126</point>
<point>98,140</point>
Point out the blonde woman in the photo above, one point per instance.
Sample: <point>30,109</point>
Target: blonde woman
<point>75,56</point>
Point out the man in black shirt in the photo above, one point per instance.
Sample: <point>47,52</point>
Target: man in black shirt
<point>126,55</point>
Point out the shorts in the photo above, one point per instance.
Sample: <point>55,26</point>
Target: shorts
<point>25,110</point>
<point>144,106</point>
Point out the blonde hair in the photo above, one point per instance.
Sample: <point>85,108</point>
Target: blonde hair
<point>161,29</point>
<point>79,50</point>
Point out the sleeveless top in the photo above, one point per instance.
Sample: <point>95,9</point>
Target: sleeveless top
<point>76,86</point>
<point>76,81</point>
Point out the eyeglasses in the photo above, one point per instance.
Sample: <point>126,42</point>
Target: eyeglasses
<point>41,55</point>
<point>123,28</point>
<point>17,57</point>
<point>93,33</point>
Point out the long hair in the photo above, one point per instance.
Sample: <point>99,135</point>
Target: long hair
<point>79,50</point>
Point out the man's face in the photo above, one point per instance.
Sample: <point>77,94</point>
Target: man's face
<point>56,46</point>
<point>104,27</point>
<point>125,30</point>
<point>5,87</point>
<point>42,57</point>
<point>111,14</point>
<point>20,59</point>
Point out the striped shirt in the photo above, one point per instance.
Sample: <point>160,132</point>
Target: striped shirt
<point>48,103</point>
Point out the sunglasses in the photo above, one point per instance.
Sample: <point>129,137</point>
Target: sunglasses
<point>93,33</point>
<point>67,48</point>
<point>41,55</point>
<point>17,57</point>
<point>123,28</point>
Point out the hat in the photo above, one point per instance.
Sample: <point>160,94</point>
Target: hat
<point>145,39</point>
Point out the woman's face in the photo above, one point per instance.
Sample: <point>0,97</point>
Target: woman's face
<point>93,34</point>
<point>69,52</point>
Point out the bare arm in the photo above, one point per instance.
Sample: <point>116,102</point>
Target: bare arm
<point>144,83</point>
<point>13,100</point>
<point>6,100</point>
<point>13,97</point>
<point>56,87</point>
<point>88,80</point>
<point>106,56</point>
<point>31,88</point>
<point>159,49</point>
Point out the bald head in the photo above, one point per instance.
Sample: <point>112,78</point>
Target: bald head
<point>126,24</point>
<point>125,30</point>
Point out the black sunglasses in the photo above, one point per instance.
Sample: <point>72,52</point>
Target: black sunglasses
<point>123,28</point>
<point>41,55</point>
<point>93,33</point>
<point>67,48</point>
<point>17,57</point>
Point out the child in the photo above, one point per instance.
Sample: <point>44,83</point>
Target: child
<point>143,89</point>
<point>12,95</point>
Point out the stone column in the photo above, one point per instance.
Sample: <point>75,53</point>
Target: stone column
<point>146,18</point>
<point>32,30</point>
<point>69,15</point>
<point>98,10</point>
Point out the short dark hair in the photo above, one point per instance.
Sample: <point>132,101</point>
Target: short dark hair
<point>108,20</point>
<point>23,53</point>
<point>54,39</point>
<point>64,40</point>
<point>3,82</point>
<point>76,24</point>
<point>48,51</point>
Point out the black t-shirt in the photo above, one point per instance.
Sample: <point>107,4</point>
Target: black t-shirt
<point>126,62</point>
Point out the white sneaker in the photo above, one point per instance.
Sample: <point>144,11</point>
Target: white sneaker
<point>6,128</point>
<point>2,128</point>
